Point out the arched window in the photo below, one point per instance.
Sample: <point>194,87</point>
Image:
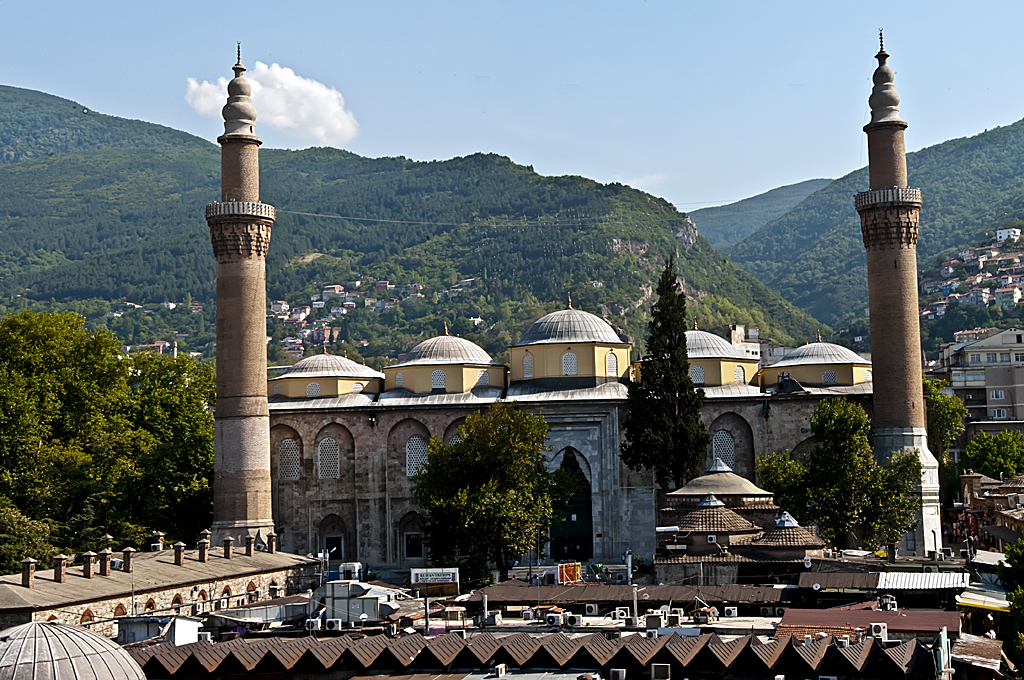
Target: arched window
<point>740,374</point>
<point>176,603</point>
<point>87,617</point>
<point>150,605</point>
<point>456,439</point>
<point>483,379</point>
<point>277,388</point>
<point>867,375</point>
<point>226,592</point>
<point>328,459</point>
<point>313,389</point>
<point>120,610</point>
<point>288,459</point>
<point>697,375</point>
<point>400,379</point>
<point>357,388</point>
<point>437,380</point>
<point>829,378</point>
<point>568,364</point>
<point>527,366</point>
<point>611,365</point>
<point>724,448</point>
<point>415,455</point>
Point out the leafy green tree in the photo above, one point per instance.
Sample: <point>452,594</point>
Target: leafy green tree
<point>785,478</point>
<point>489,497</point>
<point>946,414</point>
<point>664,432</point>
<point>1011,624</point>
<point>21,537</point>
<point>993,455</point>
<point>892,504</point>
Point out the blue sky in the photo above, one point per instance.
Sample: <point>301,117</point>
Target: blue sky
<point>699,102</point>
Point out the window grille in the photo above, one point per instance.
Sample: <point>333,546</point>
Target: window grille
<point>740,375</point>
<point>697,375</point>
<point>288,459</point>
<point>829,378</point>
<point>456,439</point>
<point>400,379</point>
<point>483,379</point>
<point>277,388</point>
<point>415,455</point>
<point>528,366</point>
<point>357,388</point>
<point>611,365</point>
<point>437,380</point>
<point>724,448</point>
<point>867,375</point>
<point>328,459</point>
<point>568,364</point>
<point>313,390</point>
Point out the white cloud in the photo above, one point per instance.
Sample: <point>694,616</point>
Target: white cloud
<point>304,108</point>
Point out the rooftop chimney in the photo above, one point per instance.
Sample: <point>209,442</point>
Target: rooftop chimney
<point>105,562</point>
<point>28,572</point>
<point>228,542</point>
<point>271,543</point>
<point>128,554</point>
<point>250,542</point>
<point>157,542</point>
<point>107,538</point>
<point>60,568</point>
<point>179,553</point>
<point>87,559</point>
<point>204,550</point>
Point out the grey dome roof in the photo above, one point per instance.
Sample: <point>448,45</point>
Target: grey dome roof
<point>704,345</point>
<point>328,366</point>
<point>56,651</point>
<point>446,349</point>
<point>569,325</point>
<point>820,353</point>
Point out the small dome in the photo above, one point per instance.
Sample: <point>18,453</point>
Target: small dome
<point>569,326</point>
<point>56,650</point>
<point>704,345</point>
<point>446,349</point>
<point>820,353</point>
<point>328,366</point>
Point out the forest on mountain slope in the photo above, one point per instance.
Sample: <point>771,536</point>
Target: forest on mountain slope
<point>724,225</point>
<point>814,256</point>
<point>101,222</point>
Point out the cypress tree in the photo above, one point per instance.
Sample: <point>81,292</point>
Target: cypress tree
<point>664,432</point>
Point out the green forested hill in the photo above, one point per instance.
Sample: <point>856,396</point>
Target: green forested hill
<point>126,224</point>
<point>724,225</point>
<point>814,257</point>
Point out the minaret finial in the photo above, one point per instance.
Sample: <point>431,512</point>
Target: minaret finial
<point>446,328</point>
<point>819,336</point>
<point>239,61</point>
<point>884,101</point>
<point>694,323</point>
<point>568,297</point>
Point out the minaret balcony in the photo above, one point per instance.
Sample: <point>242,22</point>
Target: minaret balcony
<point>894,196</point>
<point>241,209</point>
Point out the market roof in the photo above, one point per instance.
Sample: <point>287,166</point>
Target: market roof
<point>570,326</point>
<point>716,520</point>
<point>816,353</point>
<point>788,534</point>
<point>328,366</point>
<point>445,350</point>
<point>904,620</point>
<point>55,651</point>
<point>704,345</point>
<point>720,480</point>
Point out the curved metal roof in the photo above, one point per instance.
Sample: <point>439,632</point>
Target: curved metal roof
<point>725,483</point>
<point>569,325</point>
<point>820,353</point>
<point>328,366</point>
<point>55,650</point>
<point>444,350</point>
<point>704,345</point>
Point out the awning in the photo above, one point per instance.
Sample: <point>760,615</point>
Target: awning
<point>1002,533</point>
<point>978,597</point>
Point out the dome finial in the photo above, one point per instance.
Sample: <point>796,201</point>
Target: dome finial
<point>884,101</point>
<point>819,336</point>
<point>568,297</point>
<point>239,113</point>
<point>324,347</point>
<point>446,328</point>
<point>881,42</point>
<point>694,323</point>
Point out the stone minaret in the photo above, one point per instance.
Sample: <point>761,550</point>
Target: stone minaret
<point>240,232</point>
<point>888,215</point>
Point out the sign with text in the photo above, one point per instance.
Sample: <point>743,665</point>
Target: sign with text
<point>435,582</point>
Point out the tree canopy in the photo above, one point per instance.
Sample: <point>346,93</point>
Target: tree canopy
<point>994,455</point>
<point>664,432</point>
<point>489,497</point>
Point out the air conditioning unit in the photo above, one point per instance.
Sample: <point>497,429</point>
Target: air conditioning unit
<point>312,624</point>
<point>391,630</point>
<point>632,622</point>
<point>930,569</point>
<point>618,674</point>
<point>779,611</point>
<point>651,634</point>
<point>674,620</point>
<point>574,620</point>
<point>712,538</point>
<point>459,632</point>
<point>767,611</point>
<point>205,636</point>
<point>807,639</point>
<point>661,671</point>
<point>500,670</point>
<point>333,624</point>
<point>653,621</point>
<point>622,612</point>
<point>844,641</point>
<point>553,619</point>
<point>527,614</point>
<point>731,612</point>
<point>591,610</point>
<point>879,630</point>
<point>116,563</point>
<point>155,547</point>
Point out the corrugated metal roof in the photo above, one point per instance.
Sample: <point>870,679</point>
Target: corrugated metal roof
<point>527,392</point>
<point>915,580</point>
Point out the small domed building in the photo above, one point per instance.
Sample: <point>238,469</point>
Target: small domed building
<point>444,365</point>
<point>58,651</point>
<point>325,375</point>
<point>819,364</point>
<point>714,362</point>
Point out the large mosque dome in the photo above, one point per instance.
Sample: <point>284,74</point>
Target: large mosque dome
<point>446,349</point>
<point>569,326</point>
<point>820,353</point>
<point>704,345</point>
<point>56,650</point>
<point>329,366</point>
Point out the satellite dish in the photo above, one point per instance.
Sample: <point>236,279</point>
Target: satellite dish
<point>817,586</point>
<point>807,562</point>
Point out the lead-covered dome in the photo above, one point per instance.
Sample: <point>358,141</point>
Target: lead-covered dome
<point>328,366</point>
<point>56,650</point>
<point>817,353</point>
<point>704,345</point>
<point>569,326</point>
<point>446,349</point>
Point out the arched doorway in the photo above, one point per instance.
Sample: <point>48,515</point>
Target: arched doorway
<point>332,539</point>
<point>573,538</point>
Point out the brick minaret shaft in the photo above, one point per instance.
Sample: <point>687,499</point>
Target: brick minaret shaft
<point>889,218</point>
<point>240,232</point>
